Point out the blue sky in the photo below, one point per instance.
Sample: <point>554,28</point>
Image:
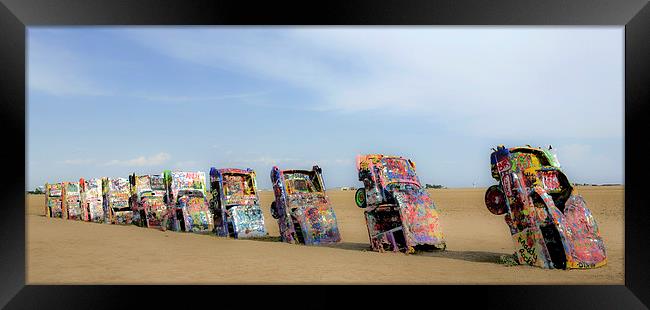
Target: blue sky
<point>111,101</point>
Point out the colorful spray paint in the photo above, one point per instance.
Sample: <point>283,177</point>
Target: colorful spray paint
<point>550,224</point>
<point>235,203</point>
<point>72,201</point>
<point>54,200</point>
<point>116,201</point>
<point>302,208</point>
<point>92,200</point>
<point>400,214</point>
<point>148,201</point>
<point>190,211</point>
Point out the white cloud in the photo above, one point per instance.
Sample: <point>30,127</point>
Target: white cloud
<point>185,98</point>
<point>154,160</point>
<point>508,82</point>
<point>57,70</point>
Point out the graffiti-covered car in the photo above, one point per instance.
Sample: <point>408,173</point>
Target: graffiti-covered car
<point>235,204</point>
<point>302,208</point>
<point>187,194</point>
<point>116,201</point>
<point>92,200</point>
<point>550,223</point>
<point>54,200</point>
<point>400,214</point>
<point>72,201</point>
<point>148,196</point>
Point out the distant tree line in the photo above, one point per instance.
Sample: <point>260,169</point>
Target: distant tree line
<point>437,186</point>
<point>589,184</point>
<point>38,190</point>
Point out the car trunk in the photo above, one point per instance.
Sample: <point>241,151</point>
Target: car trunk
<point>247,221</point>
<point>317,223</point>
<point>420,219</point>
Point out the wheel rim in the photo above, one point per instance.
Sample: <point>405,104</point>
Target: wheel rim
<point>360,198</point>
<point>495,201</point>
<point>274,212</point>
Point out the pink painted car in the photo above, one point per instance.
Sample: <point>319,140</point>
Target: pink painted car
<point>550,224</point>
<point>400,214</point>
<point>302,208</point>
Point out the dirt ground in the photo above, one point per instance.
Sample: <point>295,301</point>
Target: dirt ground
<point>71,252</point>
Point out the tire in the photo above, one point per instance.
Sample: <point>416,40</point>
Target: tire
<point>495,200</point>
<point>274,211</point>
<point>143,219</point>
<point>360,198</point>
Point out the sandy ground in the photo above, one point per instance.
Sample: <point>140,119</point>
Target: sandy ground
<point>70,252</point>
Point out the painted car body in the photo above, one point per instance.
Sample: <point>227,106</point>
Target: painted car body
<point>400,215</point>
<point>550,224</point>
<point>54,200</point>
<point>190,211</point>
<point>116,201</point>
<point>148,201</point>
<point>72,201</point>
<point>92,200</point>
<point>235,203</point>
<point>302,208</point>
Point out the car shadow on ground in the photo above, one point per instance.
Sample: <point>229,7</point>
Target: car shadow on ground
<point>470,256</point>
<point>353,246</point>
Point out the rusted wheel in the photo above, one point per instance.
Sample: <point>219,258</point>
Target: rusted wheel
<point>274,211</point>
<point>495,200</point>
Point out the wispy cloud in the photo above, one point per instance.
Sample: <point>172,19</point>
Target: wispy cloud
<point>413,90</point>
<point>154,160</point>
<point>186,98</point>
<point>56,70</point>
<point>474,81</point>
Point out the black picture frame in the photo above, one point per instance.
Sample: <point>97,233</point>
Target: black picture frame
<point>16,15</point>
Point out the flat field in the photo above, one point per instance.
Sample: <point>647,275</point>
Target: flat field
<point>71,252</point>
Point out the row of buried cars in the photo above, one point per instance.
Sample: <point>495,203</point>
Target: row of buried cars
<point>550,224</point>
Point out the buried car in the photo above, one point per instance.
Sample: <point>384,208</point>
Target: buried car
<point>72,201</point>
<point>92,200</point>
<point>302,208</point>
<point>188,202</point>
<point>54,200</point>
<point>148,196</point>
<point>235,203</point>
<point>116,201</point>
<point>400,215</point>
<point>550,224</point>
